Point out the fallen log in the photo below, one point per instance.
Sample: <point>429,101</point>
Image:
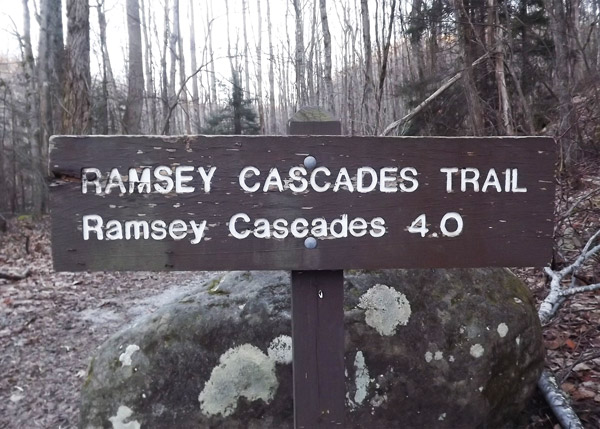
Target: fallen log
<point>12,276</point>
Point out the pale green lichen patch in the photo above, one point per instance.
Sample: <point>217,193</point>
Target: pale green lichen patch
<point>361,378</point>
<point>385,309</point>
<point>214,287</point>
<point>280,349</point>
<point>476,350</point>
<point>243,371</point>
<point>502,330</point>
<point>125,358</point>
<point>119,421</point>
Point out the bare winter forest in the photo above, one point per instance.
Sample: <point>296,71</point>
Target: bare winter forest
<point>437,67</point>
<point>383,67</point>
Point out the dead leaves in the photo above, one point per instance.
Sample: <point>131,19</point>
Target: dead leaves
<point>45,337</point>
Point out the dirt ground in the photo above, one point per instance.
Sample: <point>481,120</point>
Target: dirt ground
<point>51,322</point>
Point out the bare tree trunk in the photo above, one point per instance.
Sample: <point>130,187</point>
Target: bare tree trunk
<point>288,86</point>
<point>5,174</point>
<point>575,53</point>
<point>301,95</point>
<point>310,69</point>
<point>32,117</point>
<point>174,37</point>
<point>284,96</point>
<point>163,67</point>
<point>272,119</point>
<point>327,52</point>
<point>236,92</point>
<point>101,119</point>
<point>368,83</point>
<point>564,29</point>
<point>436,28</point>
<point>354,82</point>
<point>415,36</point>
<point>526,110</point>
<point>103,102</point>
<point>527,113</point>
<point>195,96</point>
<point>150,91</point>
<point>467,38</point>
<point>497,43</point>
<point>246,59</point>
<point>376,30</point>
<point>17,177</point>
<point>76,115</point>
<point>183,100</point>
<point>384,63</point>
<point>204,91</point>
<point>320,100</point>
<point>213,82</point>
<point>135,77</point>
<point>259,94</point>
<point>114,117</point>
<point>50,71</point>
<point>597,56</point>
<point>343,106</point>
<point>231,66</point>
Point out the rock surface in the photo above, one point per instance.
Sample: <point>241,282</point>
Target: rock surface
<point>424,348</point>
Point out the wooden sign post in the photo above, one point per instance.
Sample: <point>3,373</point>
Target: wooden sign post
<point>317,322</point>
<point>314,205</point>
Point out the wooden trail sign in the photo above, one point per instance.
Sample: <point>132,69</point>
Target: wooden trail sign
<point>300,202</point>
<point>314,205</point>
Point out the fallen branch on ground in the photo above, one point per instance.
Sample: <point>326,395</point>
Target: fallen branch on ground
<point>557,293</point>
<point>558,401</point>
<point>555,397</point>
<point>7,275</point>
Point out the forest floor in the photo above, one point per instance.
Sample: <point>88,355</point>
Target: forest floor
<point>51,322</point>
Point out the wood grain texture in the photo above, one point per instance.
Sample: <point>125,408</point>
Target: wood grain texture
<point>318,323</point>
<point>500,229</point>
<point>318,348</point>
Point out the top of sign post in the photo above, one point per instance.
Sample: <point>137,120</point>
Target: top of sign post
<point>313,121</point>
<point>300,202</point>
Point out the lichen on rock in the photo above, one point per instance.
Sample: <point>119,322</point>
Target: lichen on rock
<point>244,371</point>
<point>280,349</point>
<point>125,357</point>
<point>385,309</point>
<point>213,360</point>
<point>119,421</point>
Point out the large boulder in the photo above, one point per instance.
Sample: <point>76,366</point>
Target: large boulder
<point>424,348</point>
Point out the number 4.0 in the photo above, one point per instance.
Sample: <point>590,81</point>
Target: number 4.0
<point>419,225</point>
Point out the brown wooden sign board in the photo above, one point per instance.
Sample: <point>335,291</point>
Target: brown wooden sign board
<point>242,202</point>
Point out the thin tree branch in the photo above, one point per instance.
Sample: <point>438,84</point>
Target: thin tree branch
<point>579,289</point>
<point>579,201</point>
<point>400,122</point>
<point>181,89</point>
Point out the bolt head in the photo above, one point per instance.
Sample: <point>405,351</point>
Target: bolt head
<point>310,243</point>
<point>310,162</point>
